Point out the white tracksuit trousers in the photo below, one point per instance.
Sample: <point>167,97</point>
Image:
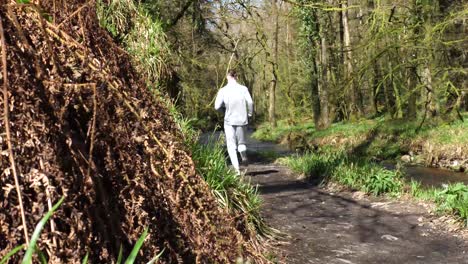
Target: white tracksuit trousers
<point>235,141</point>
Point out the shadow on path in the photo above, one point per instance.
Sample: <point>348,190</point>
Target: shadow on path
<point>256,173</point>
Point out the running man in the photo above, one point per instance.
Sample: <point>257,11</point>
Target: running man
<point>238,104</point>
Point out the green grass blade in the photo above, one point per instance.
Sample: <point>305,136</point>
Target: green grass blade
<point>42,257</point>
<point>156,258</point>
<point>119,258</point>
<point>85,259</point>
<point>136,248</point>
<point>37,232</point>
<point>11,253</point>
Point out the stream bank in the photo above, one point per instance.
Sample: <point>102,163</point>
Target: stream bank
<point>437,144</point>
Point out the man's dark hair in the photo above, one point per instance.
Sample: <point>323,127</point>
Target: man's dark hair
<point>232,73</point>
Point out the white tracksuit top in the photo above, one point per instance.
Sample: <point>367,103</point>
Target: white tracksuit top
<point>238,103</point>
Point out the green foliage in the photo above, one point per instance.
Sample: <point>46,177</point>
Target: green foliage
<point>415,189</point>
<point>309,30</point>
<point>379,137</point>
<point>454,199</point>
<point>426,194</point>
<point>231,191</point>
<point>307,128</point>
<point>336,166</point>
<point>120,255</point>
<point>147,44</point>
<point>316,165</point>
<point>12,253</point>
<point>117,16</point>
<point>156,258</point>
<point>142,36</point>
<point>32,247</point>
<point>381,180</point>
<point>368,177</point>
<point>85,259</point>
<point>131,258</point>
<point>134,253</point>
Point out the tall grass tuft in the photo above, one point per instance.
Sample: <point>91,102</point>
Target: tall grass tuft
<point>312,165</point>
<point>454,199</point>
<point>116,16</point>
<point>415,189</point>
<point>336,166</point>
<point>231,191</point>
<point>142,36</point>
<point>147,44</point>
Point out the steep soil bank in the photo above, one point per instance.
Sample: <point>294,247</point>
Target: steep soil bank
<point>84,126</point>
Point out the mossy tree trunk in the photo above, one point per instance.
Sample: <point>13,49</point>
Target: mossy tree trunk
<point>274,67</point>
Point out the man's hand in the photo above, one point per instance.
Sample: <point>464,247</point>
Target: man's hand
<point>222,109</point>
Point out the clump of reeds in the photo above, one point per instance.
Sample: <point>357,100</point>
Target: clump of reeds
<point>360,174</point>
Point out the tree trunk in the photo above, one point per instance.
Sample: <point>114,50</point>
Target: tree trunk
<point>323,81</point>
<point>347,57</point>
<point>389,102</point>
<point>315,92</point>
<point>431,105</point>
<point>274,81</point>
<point>411,109</point>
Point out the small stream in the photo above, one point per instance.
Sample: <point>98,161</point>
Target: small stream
<point>429,177</point>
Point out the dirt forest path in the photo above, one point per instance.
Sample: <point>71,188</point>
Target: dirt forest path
<point>346,227</point>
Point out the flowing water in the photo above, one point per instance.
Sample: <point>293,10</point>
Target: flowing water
<point>431,177</point>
